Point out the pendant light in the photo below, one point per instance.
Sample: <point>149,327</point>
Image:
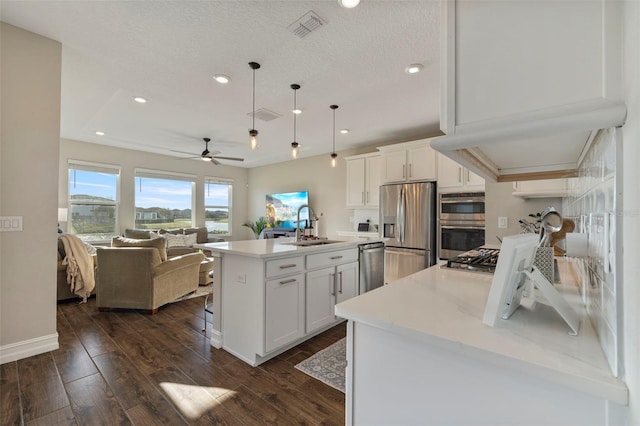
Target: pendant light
<point>334,156</point>
<point>294,145</point>
<point>253,133</point>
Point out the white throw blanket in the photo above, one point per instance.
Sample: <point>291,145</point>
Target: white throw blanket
<point>80,273</point>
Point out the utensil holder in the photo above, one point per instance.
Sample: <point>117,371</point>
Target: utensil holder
<point>543,260</point>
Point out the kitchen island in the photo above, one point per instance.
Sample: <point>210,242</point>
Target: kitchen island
<point>418,353</point>
<point>271,294</point>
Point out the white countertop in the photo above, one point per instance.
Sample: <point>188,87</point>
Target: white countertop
<point>274,247</point>
<point>359,234</point>
<point>445,308</point>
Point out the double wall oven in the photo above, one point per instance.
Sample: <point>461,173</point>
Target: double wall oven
<point>460,223</point>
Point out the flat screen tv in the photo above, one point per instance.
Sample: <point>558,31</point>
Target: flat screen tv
<point>282,209</point>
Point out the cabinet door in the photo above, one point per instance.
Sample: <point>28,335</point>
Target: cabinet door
<point>320,298</point>
<point>394,165</point>
<point>373,179</point>
<point>346,281</point>
<point>356,182</point>
<point>284,311</point>
<point>474,181</point>
<point>449,173</point>
<point>421,163</point>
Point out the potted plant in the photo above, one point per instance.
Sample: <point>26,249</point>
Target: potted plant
<point>257,226</point>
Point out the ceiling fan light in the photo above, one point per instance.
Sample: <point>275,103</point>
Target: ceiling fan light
<point>349,4</point>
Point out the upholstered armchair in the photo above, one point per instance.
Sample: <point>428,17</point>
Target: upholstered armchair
<point>138,277</point>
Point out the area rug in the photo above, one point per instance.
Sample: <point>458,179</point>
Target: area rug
<point>328,365</point>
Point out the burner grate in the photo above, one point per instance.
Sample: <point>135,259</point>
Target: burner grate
<point>480,260</point>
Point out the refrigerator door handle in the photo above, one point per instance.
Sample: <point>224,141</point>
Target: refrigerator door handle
<point>402,215</point>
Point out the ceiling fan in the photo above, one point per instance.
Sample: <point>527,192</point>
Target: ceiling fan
<point>211,155</point>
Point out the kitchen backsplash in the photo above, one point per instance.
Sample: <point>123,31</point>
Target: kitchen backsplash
<point>593,204</point>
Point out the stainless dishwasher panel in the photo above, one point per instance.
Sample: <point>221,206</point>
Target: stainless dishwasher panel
<point>400,262</point>
<point>371,266</point>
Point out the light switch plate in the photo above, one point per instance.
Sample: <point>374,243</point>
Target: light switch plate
<point>10,223</point>
<point>503,222</point>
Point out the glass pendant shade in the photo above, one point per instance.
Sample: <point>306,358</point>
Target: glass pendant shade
<point>334,156</point>
<point>253,133</point>
<point>294,145</point>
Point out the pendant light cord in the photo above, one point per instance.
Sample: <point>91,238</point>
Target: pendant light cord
<point>294,114</point>
<point>253,114</point>
<point>334,130</point>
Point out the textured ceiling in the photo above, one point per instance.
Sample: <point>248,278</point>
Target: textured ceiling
<point>168,52</point>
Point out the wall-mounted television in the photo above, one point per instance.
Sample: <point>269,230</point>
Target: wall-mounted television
<point>282,209</point>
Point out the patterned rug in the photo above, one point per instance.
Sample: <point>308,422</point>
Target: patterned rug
<point>328,365</point>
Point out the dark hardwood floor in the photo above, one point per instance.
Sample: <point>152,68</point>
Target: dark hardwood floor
<point>126,367</point>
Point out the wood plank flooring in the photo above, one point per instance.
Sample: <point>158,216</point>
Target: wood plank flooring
<point>130,368</point>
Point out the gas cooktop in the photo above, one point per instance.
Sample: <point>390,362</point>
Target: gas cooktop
<point>479,260</point>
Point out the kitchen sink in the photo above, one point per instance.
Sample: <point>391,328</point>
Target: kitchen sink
<point>313,242</point>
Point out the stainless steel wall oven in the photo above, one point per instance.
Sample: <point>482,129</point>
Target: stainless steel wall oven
<point>461,223</point>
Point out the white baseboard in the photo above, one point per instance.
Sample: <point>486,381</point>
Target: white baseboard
<point>27,348</point>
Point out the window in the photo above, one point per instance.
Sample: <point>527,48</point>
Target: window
<point>217,206</point>
<point>93,201</point>
<point>163,200</point>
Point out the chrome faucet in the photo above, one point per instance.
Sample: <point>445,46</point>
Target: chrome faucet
<point>311,216</point>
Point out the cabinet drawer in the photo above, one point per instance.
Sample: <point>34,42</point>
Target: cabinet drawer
<point>320,260</point>
<point>289,265</point>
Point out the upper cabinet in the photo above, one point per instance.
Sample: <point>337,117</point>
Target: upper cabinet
<point>410,161</point>
<point>363,180</point>
<point>452,177</point>
<point>526,88</point>
<point>547,188</point>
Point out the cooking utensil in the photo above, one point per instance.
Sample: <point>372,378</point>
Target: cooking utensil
<point>568,225</point>
<point>551,222</point>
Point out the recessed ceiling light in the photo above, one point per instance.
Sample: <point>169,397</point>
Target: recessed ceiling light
<point>349,4</point>
<point>140,100</point>
<point>221,78</point>
<point>296,111</point>
<point>344,131</point>
<point>99,133</point>
<point>413,68</point>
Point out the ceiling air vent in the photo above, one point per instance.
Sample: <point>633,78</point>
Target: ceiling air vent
<point>265,114</point>
<point>309,22</point>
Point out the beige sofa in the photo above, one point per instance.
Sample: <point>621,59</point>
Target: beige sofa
<point>202,236</point>
<point>136,274</point>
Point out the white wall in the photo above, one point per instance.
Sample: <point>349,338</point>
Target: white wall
<point>500,202</point>
<point>29,142</point>
<point>631,208</point>
<point>326,185</point>
<point>129,160</point>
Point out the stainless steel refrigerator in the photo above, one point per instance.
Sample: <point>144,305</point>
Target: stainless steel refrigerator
<point>408,222</point>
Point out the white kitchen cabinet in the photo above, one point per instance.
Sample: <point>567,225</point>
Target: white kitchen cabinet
<point>284,312</point>
<point>410,161</point>
<point>363,180</point>
<point>320,298</point>
<point>544,188</point>
<point>534,94</point>
<point>453,177</point>
<point>332,277</point>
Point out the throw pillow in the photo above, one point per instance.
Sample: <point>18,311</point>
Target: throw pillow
<point>154,235</point>
<point>158,243</point>
<point>180,240</point>
<point>138,234</point>
<point>202,233</point>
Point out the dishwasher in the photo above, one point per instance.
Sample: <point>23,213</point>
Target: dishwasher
<point>371,266</point>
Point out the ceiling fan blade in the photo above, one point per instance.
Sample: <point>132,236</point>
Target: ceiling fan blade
<point>228,158</point>
<point>214,161</point>
<point>184,152</point>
